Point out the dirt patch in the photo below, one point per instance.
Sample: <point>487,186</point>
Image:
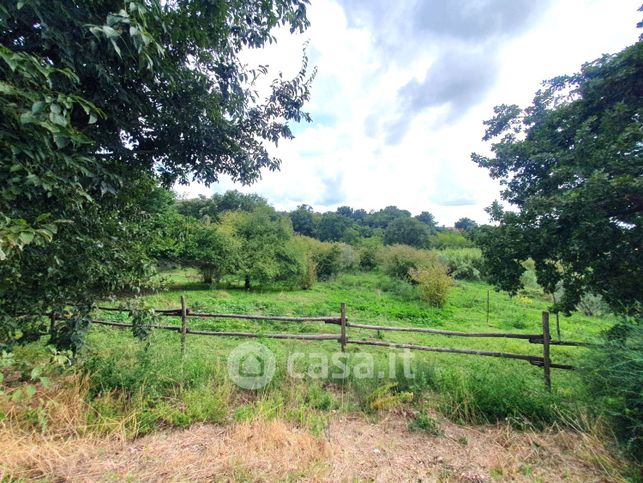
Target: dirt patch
<point>351,449</point>
<point>388,451</point>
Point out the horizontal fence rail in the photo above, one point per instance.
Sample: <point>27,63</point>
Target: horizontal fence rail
<point>444,332</point>
<point>397,345</point>
<point>205,315</point>
<point>184,313</point>
<point>177,328</point>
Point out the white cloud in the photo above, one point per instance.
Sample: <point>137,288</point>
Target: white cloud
<point>344,156</point>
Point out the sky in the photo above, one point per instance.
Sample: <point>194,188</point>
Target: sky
<point>402,90</point>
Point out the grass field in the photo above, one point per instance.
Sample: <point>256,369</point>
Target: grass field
<point>464,388</point>
<point>122,387</point>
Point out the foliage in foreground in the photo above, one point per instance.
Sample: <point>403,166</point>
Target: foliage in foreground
<point>93,120</point>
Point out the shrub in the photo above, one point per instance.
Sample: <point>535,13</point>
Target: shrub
<point>462,263</point>
<point>450,239</point>
<point>592,305</point>
<point>310,274</point>
<point>368,254</point>
<point>398,260</point>
<point>348,258</point>
<point>424,422</point>
<point>327,258</point>
<point>433,284</point>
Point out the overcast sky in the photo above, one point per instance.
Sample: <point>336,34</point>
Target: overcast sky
<point>402,90</point>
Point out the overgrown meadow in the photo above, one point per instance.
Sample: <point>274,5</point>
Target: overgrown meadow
<point>137,385</point>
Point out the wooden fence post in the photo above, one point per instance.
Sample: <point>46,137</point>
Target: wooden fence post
<point>184,324</point>
<point>546,359</point>
<point>342,311</point>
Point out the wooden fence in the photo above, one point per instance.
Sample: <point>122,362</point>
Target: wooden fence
<point>343,338</point>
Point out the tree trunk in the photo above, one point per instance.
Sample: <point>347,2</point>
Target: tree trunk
<point>207,273</point>
<point>247,282</point>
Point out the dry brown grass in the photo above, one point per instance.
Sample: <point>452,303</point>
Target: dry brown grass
<point>352,448</point>
<point>387,451</point>
<point>256,451</point>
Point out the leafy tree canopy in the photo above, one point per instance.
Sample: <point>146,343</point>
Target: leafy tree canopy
<point>407,231</point>
<point>572,168</point>
<point>102,100</point>
<point>465,224</point>
<point>303,221</point>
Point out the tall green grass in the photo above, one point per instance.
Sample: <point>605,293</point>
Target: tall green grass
<point>149,385</point>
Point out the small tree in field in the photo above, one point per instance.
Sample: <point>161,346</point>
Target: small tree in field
<point>211,250</point>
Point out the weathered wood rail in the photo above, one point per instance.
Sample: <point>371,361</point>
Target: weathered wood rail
<point>184,313</point>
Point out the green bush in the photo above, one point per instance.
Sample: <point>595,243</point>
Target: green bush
<point>462,263</point>
<point>433,284</point>
<point>530,286</point>
<point>310,274</point>
<point>368,253</point>
<point>450,239</point>
<point>398,260</point>
<point>348,258</point>
<point>327,258</point>
<point>614,375</point>
<point>592,305</point>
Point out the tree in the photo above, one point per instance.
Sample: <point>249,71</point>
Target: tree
<point>384,217</point>
<point>267,252</point>
<point>332,226</point>
<point>406,231</point>
<point>428,219</point>
<point>465,224</point>
<point>217,204</point>
<point>303,221</point>
<point>345,211</point>
<point>572,168</point>
<point>450,239</point>
<point>213,251</point>
<point>93,116</point>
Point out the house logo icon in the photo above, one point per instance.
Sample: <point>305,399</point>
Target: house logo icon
<point>251,365</point>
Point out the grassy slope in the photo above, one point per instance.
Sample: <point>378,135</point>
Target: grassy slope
<point>465,388</point>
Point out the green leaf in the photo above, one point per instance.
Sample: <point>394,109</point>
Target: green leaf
<point>110,33</point>
<point>38,107</point>
<point>35,373</point>
<point>17,395</point>
<point>92,119</point>
<point>58,119</point>
<point>116,48</point>
<point>26,118</point>
<point>26,237</point>
<point>6,89</point>
<point>30,390</point>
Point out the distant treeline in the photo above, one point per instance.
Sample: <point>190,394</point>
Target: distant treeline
<point>391,225</point>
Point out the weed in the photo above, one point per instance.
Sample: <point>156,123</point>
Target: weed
<point>424,422</point>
